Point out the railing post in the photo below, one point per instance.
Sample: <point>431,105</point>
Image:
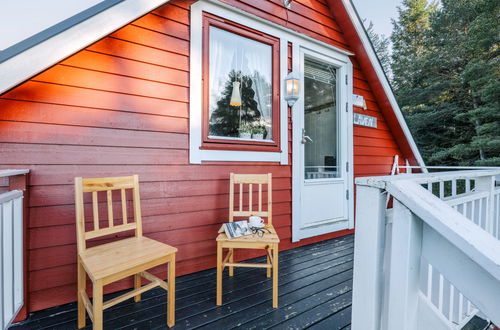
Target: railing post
<point>21,182</point>
<point>406,248</point>
<point>487,183</point>
<point>369,245</point>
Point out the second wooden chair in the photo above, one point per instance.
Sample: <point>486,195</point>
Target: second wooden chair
<point>269,241</point>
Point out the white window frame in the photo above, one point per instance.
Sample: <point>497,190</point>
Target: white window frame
<point>196,154</point>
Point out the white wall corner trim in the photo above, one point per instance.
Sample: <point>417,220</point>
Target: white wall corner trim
<point>383,79</point>
<point>51,51</point>
<point>196,154</point>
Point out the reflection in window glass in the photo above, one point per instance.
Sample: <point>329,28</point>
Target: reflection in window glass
<point>320,120</point>
<point>240,88</point>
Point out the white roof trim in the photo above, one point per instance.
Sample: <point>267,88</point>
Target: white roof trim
<point>367,45</point>
<point>51,51</point>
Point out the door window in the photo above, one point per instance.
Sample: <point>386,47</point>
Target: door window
<point>320,135</point>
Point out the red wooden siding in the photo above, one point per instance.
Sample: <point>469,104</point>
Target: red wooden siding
<point>120,107</point>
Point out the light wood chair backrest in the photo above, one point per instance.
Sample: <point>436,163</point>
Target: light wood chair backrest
<point>95,185</point>
<point>251,179</point>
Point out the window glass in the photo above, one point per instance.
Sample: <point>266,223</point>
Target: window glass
<point>240,87</point>
<point>320,120</point>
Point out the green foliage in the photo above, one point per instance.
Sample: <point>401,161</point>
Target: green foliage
<point>245,128</point>
<point>257,129</point>
<point>408,39</point>
<point>381,46</point>
<point>446,77</point>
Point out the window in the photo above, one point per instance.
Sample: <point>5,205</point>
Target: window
<point>241,106</point>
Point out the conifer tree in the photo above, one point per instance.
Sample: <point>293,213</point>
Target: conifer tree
<point>408,41</point>
<point>381,45</point>
<point>436,99</point>
<point>452,102</point>
<point>481,76</point>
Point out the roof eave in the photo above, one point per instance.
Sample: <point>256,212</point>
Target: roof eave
<point>51,51</point>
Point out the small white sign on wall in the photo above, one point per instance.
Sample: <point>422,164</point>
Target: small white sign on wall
<point>363,120</point>
<point>358,101</point>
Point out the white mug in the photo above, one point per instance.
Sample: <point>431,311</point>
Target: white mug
<point>255,221</point>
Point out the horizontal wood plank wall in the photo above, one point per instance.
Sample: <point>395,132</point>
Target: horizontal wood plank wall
<point>120,107</point>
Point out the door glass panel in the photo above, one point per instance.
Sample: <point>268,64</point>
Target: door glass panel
<point>320,135</point>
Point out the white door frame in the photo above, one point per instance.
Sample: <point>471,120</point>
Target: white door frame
<point>345,104</point>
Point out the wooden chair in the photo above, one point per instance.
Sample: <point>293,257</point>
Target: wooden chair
<point>269,241</point>
<point>110,262</point>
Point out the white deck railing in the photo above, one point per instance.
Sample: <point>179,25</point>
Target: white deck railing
<point>11,265</point>
<point>11,248</point>
<point>431,259</point>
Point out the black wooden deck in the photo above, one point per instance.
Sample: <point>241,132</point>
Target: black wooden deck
<point>315,283</point>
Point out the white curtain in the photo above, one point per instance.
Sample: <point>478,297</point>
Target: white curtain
<point>222,60</point>
<point>228,52</point>
<point>261,73</point>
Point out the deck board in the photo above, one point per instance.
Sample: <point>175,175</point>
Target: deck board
<point>315,285</point>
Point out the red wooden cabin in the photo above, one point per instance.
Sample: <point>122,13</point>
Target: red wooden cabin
<point>134,89</point>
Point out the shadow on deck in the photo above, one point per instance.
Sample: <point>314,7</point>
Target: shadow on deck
<point>315,283</point>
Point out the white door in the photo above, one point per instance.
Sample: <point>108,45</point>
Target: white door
<point>321,146</point>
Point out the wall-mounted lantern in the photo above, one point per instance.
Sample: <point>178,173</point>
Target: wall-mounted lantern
<point>292,84</point>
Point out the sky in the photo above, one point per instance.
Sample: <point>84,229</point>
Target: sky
<point>379,12</point>
<point>38,15</point>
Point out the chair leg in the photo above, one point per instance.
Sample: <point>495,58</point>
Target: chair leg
<point>231,259</point>
<point>268,270</point>
<point>97,305</point>
<point>171,293</point>
<point>275,276</point>
<point>219,275</point>
<point>137,285</point>
<point>82,277</point>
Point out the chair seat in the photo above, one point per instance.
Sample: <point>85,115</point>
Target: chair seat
<point>112,258</point>
<point>266,238</point>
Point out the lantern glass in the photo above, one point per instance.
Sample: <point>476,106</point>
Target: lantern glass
<point>292,84</point>
<point>235,95</point>
<point>292,87</point>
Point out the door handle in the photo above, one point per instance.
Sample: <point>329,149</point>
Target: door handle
<point>305,138</point>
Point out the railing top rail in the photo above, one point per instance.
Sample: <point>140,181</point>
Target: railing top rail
<point>454,200</point>
<point>476,243</point>
<point>10,195</point>
<point>380,181</point>
<point>9,172</point>
<point>453,167</point>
